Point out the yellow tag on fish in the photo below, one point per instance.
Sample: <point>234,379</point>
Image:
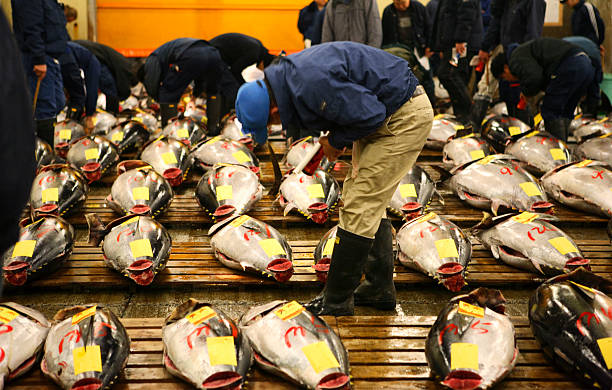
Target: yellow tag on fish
<point>221,351</point>
<point>468,136</point>
<point>602,120</point>
<point>213,140</point>
<point>92,154</point>
<point>84,314</point>
<point>137,119</point>
<point>289,310</point>
<point>50,195</point>
<point>530,188</point>
<point>578,116</point>
<point>514,130</point>
<point>537,119</point>
<point>117,137</point>
<point>471,310</point>
<point>563,245</point>
<point>140,193</point>
<point>320,356</point>
<point>584,287</point>
<point>458,127</point>
<point>328,250</point>
<point>87,359</point>
<point>426,217</point>
<point>24,248</point>
<point>476,154</point>
<point>7,315</point>
<point>182,133</point>
<point>525,217</point>
<point>439,116</point>
<point>487,160</point>
<point>272,247</point>
<point>583,163</point>
<point>408,190</point>
<point>605,346</point>
<point>65,134</point>
<point>535,132</point>
<point>131,220</point>
<point>241,156</point>
<point>224,192</point>
<point>202,314</point>
<point>240,220</point>
<point>315,191</point>
<point>557,154</point>
<point>446,248</point>
<point>141,248</point>
<point>464,355</point>
<point>169,158</point>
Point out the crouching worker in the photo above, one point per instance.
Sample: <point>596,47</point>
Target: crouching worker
<point>366,98</point>
<point>559,68</point>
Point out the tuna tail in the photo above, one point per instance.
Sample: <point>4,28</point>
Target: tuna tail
<point>484,297</point>
<point>97,230</point>
<point>184,309</point>
<point>585,278</point>
<point>277,171</point>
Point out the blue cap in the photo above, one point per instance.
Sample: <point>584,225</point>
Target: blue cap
<point>253,109</point>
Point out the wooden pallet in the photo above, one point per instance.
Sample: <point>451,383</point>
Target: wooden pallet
<point>384,352</point>
<point>192,264</point>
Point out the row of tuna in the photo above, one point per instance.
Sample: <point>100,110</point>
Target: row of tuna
<point>87,347</point>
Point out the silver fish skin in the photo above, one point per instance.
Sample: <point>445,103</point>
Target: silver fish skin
<point>140,191</point>
<point>233,130</point>
<point>104,121</point>
<point>74,345</point>
<point>442,129</point>
<point>530,242</point>
<point>585,188</point>
<point>539,152</point>
<point>313,196</point>
<point>130,103</point>
<point>478,319</point>
<point>66,133</point>
<point>169,157</point>
<point>499,109</point>
<point>146,118</point>
<point>43,153</point>
<point>599,148</point>
<point>22,337</point>
<point>593,129</point>
<point>228,189</point>
<point>299,149</point>
<point>197,113</point>
<point>129,135</point>
<point>52,239</point>
<point>283,347</point>
<point>462,150</point>
<point>186,335</point>
<point>247,244</point>
<point>70,185</point>
<point>418,182</point>
<point>578,122</point>
<point>221,150</point>
<point>498,183</point>
<point>186,130</point>
<point>323,253</point>
<point>436,247</point>
<point>93,156</point>
<point>499,130</point>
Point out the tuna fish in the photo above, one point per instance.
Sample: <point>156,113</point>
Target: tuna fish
<point>246,244</point>
<point>461,150</point>
<point>499,109</point>
<point>472,344</point>
<point>135,246</point>
<point>130,103</point>
<point>232,129</point>
<point>292,343</point>
<point>539,152</point>
<point>146,118</point>
<point>444,127</point>
<point>22,335</point>
<point>220,150</point>
<point>497,182</point>
<point>579,121</point>
<point>169,157</point>
<point>128,136</point>
<point>228,189</point>
<point>571,317</point>
<point>44,245</point>
<point>433,245</point>
<point>186,130</point>
<point>323,253</point>
<point>93,156</point>
<point>530,242</point>
<point>57,189</point>
<point>197,113</point>
<point>86,349</point>
<point>66,132</point>
<point>413,193</point>
<point>593,129</point>
<point>598,148</point>
<point>499,131</point>
<point>139,190</point>
<point>300,149</point>
<point>43,154</point>
<point>313,196</point>
<point>582,185</point>
<point>104,122</point>
<point>203,346</point>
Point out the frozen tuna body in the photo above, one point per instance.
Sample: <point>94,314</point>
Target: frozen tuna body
<point>539,152</point>
<point>128,136</point>
<point>93,156</point>
<point>323,253</point>
<point>413,193</point>
<point>461,150</point>
<point>313,196</point>
<point>186,130</point>
<point>57,189</point>
<point>499,131</point>
<point>598,148</point>
<point>443,127</point>
<point>299,150</point>
<point>593,129</point>
<point>43,153</point>
<point>221,150</point>
<point>169,157</point>
<point>66,132</point>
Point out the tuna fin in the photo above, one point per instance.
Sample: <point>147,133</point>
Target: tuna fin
<point>288,208</point>
<point>127,165</point>
<point>444,174</point>
<point>485,222</point>
<point>277,171</point>
<point>486,297</point>
<point>439,195</point>
<point>586,278</point>
<point>97,230</point>
<point>537,266</point>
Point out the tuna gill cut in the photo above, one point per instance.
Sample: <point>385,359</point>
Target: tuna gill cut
<point>57,189</point>
<point>169,157</point>
<point>93,156</point>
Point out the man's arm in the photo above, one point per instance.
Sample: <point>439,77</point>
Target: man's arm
<point>467,15</point>
<point>73,82</point>
<point>327,35</point>
<point>92,83</point>
<point>528,71</point>
<point>31,17</point>
<point>373,25</point>
<point>492,37</point>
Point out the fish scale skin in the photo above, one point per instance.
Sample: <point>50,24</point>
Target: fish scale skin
<point>160,191</point>
<point>424,187</point>
<point>294,189</point>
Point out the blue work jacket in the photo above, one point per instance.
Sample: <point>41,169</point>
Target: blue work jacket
<point>83,92</point>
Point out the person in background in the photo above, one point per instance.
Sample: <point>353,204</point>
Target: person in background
<point>561,69</point>
<point>70,13</point>
<point>169,70</point>
<point>587,22</point>
<point>405,26</point>
<point>40,32</point>
<point>591,104</point>
<point>307,20</point>
<point>352,20</point>
<point>457,33</point>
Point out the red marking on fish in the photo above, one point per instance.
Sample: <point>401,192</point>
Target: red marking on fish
<point>505,171</point>
<point>449,327</point>
<point>198,331</point>
<point>589,315</point>
<point>70,335</point>
<point>598,175</point>
<point>4,328</point>
<point>295,330</point>
<point>481,330</point>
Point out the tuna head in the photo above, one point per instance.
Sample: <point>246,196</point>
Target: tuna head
<point>169,157</point>
<point>128,136</point>
<point>539,152</point>
<point>323,253</point>
<point>436,247</point>
<point>599,148</point>
<point>104,122</point>
<point>203,346</point>
<point>66,133</point>
<point>186,130</point>
<point>413,193</point>
<point>246,244</point>
<point>499,131</point>
<point>93,156</point>
<point>288,340</point>
<point>443,128</point>
<point>462,150</point>
<point>313,196</point>
<point>221,150</point>
<point>57,189</point>
<point>593,129</point>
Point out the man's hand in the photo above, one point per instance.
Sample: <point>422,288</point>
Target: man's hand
<point>461,47</point>
<point>329,151</point>
<point>483,55</point>
<point>40,71</point>
<point>428,52</point>
<point>89,124</point>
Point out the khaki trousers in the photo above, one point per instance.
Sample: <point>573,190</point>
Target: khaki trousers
<point>379,162</point>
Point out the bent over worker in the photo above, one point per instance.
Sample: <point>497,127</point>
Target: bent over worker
<point>366,98</point>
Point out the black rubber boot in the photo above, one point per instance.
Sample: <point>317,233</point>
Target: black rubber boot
<point>479,110</point>
<point>558,127</point>
<point>348,259</point>
<point>168,111</point>
<point>213,114</point>
<point>45,129</point>
<point>378,289</point>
